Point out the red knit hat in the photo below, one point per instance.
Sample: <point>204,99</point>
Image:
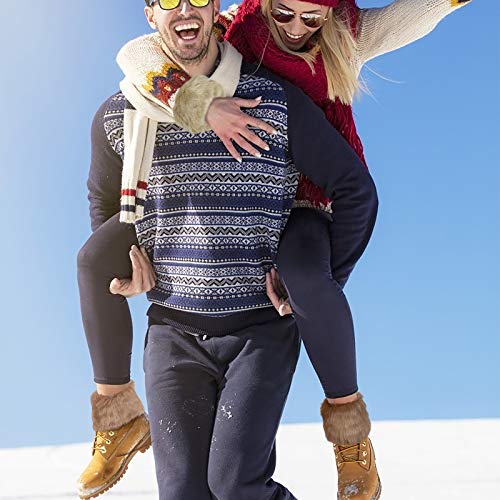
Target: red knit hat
<point>331,3</point>
<point>327,3</point>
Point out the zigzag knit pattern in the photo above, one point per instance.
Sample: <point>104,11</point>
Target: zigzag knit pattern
<point>212,225</point>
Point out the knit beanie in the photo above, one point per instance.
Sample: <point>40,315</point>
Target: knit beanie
<point>331,3</point>
<point>327,3</point>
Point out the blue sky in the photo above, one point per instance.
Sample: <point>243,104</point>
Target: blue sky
<point>425,297</point>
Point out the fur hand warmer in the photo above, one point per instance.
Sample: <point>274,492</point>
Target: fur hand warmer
<point>192,102</point>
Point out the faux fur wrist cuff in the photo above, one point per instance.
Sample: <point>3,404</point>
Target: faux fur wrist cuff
<point>192,102</point>
<point>111,412</point>
<point>346,424</point>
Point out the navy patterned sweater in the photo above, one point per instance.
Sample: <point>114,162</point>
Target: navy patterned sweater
<point>212,225</point>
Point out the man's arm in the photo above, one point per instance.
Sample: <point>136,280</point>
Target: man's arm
<point>324,156</point>
<point>104,186</point>
<point>104,182</point>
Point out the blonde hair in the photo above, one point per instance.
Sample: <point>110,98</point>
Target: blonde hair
<point>337,45</point>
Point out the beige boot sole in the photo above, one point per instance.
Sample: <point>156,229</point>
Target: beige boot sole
<point>143,446</point>
<point>378,490</point>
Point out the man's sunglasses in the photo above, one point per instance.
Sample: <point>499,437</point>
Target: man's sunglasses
<point>283,16</point>
<point>173,4</point>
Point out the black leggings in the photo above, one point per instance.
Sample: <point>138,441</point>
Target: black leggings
<point>106,317</point>
<point>319,305</point>
<point>305,266</point>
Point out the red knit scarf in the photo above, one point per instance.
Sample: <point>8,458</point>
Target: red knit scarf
<point>250,34</point>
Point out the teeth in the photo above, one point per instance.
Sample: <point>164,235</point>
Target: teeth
<point>185,27</point>
<point>295,37</point>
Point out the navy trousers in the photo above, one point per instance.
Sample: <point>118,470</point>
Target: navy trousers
<point>214,407</point>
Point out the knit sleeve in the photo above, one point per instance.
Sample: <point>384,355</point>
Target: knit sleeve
<point>385,29</point>
<point>104,181</point>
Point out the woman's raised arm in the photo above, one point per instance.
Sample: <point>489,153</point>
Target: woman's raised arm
<point>385,29</point>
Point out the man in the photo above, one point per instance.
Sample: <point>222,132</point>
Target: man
<point>218,359</point>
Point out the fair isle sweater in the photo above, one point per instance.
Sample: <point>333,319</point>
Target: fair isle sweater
<point>211,225</point>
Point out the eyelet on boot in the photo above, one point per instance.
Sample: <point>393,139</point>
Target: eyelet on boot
<point>108,441</point>
<point>111,433</point>
<point>103,449</point>
<point>364,462</point>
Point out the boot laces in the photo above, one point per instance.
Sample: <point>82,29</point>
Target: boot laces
<point>350,454</point>
<point>101,440</point>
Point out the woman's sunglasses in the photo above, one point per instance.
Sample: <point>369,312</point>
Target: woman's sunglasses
<point>283,16</point>
<point>173,4</point>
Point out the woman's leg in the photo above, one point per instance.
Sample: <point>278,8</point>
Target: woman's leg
<point>325,324</point>
<point>106,317</point>
<point>320,307</point>
<point>122,429</point>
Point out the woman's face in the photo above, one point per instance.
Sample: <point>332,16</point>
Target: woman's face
<point>293,32</point>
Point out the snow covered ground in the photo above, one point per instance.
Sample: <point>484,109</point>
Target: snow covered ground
<point>424,460</point>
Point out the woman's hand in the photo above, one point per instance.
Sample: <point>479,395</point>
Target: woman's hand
<point>230,124</point>
<point>143,276</point>
<point>277,293</point>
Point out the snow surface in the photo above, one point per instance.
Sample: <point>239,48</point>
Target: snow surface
<point>424,460</point>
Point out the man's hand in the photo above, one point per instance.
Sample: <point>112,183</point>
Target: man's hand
<point>231,124</point>
<point>277,293</point>
<point>143,276</point>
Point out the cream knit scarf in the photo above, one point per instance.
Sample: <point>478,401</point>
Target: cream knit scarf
<point>136,59</point>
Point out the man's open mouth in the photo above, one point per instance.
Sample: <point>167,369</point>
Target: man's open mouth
<point>188,31</point>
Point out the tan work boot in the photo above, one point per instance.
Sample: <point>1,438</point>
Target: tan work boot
<point>122,430</point>
<point>347,426</point>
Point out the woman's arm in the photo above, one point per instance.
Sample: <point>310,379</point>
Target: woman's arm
<point>326,158</point>
<point>388,28</point>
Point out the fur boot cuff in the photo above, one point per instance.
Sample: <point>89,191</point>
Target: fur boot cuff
<point>111,412</point>
<point>346,424</point>
<point>192,102</point>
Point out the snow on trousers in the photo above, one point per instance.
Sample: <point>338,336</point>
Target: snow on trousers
<point>214,407</point>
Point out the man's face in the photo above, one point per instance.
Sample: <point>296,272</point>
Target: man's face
<point>186,30</point>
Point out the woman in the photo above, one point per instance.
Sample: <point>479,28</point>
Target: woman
<point>321,47</point>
